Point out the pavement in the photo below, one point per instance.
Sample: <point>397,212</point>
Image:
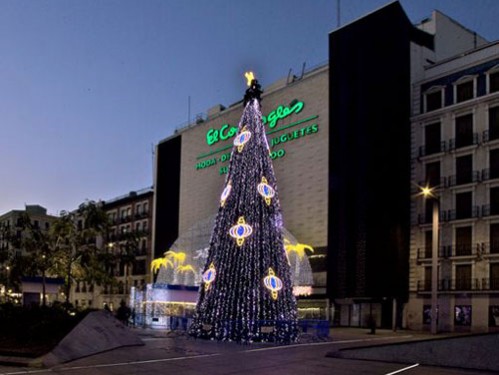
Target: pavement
<point>167,352</point>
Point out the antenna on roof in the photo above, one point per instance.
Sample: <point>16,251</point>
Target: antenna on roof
<point>338,14</point>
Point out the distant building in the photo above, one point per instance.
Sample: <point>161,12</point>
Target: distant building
<point>130,241</point>
<point>11,222</point>
<point>455,149</point>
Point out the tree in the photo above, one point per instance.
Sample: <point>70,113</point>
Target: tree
<point>37,246</point>
<point>77,250</point>
<point>246,292</point>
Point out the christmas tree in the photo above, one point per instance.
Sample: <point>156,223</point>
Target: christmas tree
<point>247,293</point>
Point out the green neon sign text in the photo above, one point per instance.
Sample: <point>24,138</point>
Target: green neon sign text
<point>282,112</point>
<point>274,154</point>
<point>227,131</point>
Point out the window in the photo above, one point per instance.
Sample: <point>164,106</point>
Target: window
<point>428,217</point>
<point>463,277</point>
<point>433,174</point>
<point>139,268</point>
<point>433,100</point>
<point>432,138</point>
<point>146,208</point>
<point>465,89</point>
<point>464,131</point>
<point>137,227</point>
<point>494,163</point>
<point>427,278</point>
<point>428,243</point>
<point>138,209</point>
<point>462,315</point>
<point>463,241</point>
<point>494,79</point>
<point>494,316</point>
<point>494,276</point>
<point>493,123</point>
<point>464,166</point>
<point>463,205</point>
<point>494,201</point>
<point>144,226</point>
<point>494,238</point>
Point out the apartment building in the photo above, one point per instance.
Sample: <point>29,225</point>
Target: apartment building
<point>455,150</point>
<point>129,243</point>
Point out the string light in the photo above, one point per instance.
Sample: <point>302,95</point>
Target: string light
<point>266,191</point>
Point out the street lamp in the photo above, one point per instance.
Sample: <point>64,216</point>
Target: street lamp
<point>428,194</point>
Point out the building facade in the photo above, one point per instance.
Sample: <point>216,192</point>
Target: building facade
<point>455,149</point>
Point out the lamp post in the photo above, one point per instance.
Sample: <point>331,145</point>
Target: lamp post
<point>428,194</point>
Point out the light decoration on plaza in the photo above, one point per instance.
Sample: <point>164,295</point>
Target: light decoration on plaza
<point>240,231</point>
<point>247,295</point>
<point>225,194</point>
<point>209,276</point>
<point>241,139</point>
<point>266,191</point>
<point>272,283</point>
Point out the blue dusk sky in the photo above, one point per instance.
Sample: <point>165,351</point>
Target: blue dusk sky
<point>88,87</point>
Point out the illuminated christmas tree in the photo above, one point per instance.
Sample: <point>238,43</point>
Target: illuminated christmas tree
<point>247,293</point>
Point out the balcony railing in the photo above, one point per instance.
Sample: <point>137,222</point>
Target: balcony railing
<point>490,284</point>
<point>472,212</point>
<point>454,180</point>
<point>490,210</point>
<point>435,184</point>
<point>428,217</point>
<point>489,248</point>
<point>455,143</point>
<point>490,174</point>
<point>488,136</point>
<point>433,149</point>
<point>457,285</point>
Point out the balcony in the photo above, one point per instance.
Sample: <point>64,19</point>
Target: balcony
<point>488,136</point>
<point>427,218</point>
<point>461,179</point>
<point>489,248</point>
<point>432,149</point>
<point>490,174</point>
<point>457,285</point>
<point>490,210</point>
<point>490,284</point>
<point>426,252</point>
<point>472,212</point>
<point>456,143</point>
<point>435,184</point>
<point>125,219</point>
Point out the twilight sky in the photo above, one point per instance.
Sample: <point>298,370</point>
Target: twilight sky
<point>87,87</point>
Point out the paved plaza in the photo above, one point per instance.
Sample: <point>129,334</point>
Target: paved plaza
<point>175,353</point>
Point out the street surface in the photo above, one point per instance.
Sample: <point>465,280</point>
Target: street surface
<point>173,353</point>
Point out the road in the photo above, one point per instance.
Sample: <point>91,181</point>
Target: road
<point>180,355</point>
